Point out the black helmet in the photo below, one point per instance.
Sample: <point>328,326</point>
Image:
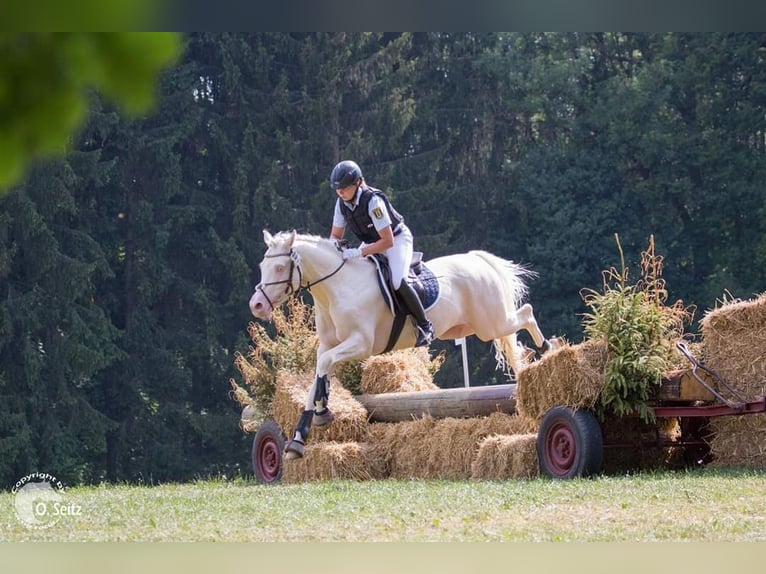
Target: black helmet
<point>344,174</point>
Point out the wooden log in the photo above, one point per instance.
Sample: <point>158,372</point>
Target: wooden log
<point>680,385</point>
<point>459,402</point>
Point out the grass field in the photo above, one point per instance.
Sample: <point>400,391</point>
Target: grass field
<point>703,505</point>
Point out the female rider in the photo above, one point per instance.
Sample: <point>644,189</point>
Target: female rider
<point>381,229</point>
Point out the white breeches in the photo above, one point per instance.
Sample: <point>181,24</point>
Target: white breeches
<point>400,256</point>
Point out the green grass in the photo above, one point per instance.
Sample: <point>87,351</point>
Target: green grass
<point>707,505</point>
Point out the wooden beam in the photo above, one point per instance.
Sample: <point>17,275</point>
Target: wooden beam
<point>680,385</point>
<point>459,402</point>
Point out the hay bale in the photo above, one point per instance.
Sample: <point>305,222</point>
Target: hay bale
<point>739,441</point>
<point>572,375</point>
<point>290,400</point>
<point>399,371</point>
<point>334,460</point>
<point>733,339</point>
<point>506,456</point>
<point>444,448</point>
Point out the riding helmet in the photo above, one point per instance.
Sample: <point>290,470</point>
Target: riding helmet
<point>344,174</point>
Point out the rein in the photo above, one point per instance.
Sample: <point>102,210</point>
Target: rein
<point>294,264</point>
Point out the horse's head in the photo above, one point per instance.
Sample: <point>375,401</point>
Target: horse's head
<point>280,274</point>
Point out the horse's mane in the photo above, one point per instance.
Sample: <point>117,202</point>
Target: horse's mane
<point>316,240</point>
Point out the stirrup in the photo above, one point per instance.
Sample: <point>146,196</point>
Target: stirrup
<point>425,335</point>
<point>323,418</point>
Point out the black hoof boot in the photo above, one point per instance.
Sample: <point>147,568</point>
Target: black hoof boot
<point>295,448</point>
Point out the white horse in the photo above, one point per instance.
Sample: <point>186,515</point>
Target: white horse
<point>480,294</point>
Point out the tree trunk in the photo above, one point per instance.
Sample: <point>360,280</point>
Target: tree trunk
<point>458,403</point>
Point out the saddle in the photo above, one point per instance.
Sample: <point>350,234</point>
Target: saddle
<point>423,281</point>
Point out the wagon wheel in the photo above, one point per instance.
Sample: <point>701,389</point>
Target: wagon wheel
<point>569,443</point>
<point>268,445</point>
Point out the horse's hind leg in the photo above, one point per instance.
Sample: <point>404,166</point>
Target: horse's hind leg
<point>526,317</point>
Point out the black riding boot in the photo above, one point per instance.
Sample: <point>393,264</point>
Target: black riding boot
<point>412,301</point>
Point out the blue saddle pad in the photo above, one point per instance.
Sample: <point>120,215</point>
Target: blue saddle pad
<point>427,286</point>
<point>422,279</point>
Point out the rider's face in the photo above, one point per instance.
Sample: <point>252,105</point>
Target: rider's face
<point>347,193</point>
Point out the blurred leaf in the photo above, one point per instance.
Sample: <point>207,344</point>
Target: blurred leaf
<point>45,79</point>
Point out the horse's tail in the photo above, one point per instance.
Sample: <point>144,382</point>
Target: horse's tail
<point>509,353</point>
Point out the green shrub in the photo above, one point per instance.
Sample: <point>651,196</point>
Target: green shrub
<point>640,332</point>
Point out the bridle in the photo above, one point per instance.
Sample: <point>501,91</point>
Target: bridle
<point>295,259</point>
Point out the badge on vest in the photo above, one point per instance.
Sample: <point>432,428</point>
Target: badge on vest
<point>377,213</point>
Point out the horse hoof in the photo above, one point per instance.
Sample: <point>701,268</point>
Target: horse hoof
<point>551,345</point>
<point>293,450</point>
<point>555,343</point>
<point>323,419</point>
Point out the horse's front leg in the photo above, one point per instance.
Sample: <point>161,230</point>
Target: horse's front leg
<point>317,411</point>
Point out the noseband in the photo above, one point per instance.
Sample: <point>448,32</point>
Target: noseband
<point>294,265</point>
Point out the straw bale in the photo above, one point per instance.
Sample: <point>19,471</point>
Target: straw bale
<point>734,338</point>
<point>396,372</point>
<point>350,422</point>
<point>572,375</point>
<point>334,460</point>
<point>739,441</point>
<point>439,448</point>
<point>506,456</point>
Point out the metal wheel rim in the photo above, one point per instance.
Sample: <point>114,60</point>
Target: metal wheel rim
<point>268,459</point>
<point>561,449</point>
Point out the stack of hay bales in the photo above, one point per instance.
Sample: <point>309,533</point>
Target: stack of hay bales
<point>425,448</point>
<point>339,451</point>
<point>346,449</point>
<point>430,448</point>
<point>734,344</point>
<point>502,446</point>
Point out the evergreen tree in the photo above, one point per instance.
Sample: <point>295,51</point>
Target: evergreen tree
<point>55,336</point>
